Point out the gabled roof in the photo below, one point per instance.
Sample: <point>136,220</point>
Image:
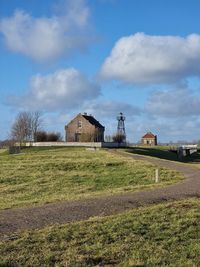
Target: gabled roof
<point>93,121</point>
<point>149,135</point>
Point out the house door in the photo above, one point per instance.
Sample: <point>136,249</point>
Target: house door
<point>77,137</point>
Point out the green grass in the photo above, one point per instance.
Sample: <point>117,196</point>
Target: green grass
<point>164,235</point>
<point>157,151</point>
<point>38,176</point>
<point>163,152</point>
<point>3,151</point>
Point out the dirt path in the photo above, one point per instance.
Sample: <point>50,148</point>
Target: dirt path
<point>14,220</point>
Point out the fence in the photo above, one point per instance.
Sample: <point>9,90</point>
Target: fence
<point>76,144</point>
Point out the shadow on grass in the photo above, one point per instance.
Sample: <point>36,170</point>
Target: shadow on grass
<point>39,148</point>
<point>7,264</point>
<point>164,154</point>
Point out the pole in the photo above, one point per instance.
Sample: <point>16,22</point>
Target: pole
<point>157,175</point>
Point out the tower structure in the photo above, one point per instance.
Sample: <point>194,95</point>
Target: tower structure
<point>121,125</point>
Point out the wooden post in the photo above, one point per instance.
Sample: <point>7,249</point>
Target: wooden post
<point>157,175</point>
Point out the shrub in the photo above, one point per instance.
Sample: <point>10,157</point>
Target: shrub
<point>119,138</point>
<point>54,137</point>
<point>41,136</point>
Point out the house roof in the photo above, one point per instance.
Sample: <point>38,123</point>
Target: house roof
<point>93,121</point>
<point>149,135</point>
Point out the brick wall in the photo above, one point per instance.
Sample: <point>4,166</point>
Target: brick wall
<point>81,130</point>
<point>149,141</point>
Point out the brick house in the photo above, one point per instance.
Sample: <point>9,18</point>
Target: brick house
<point>84,128</point>
<point>149,139</point>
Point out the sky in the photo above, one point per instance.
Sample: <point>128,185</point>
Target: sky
<point>139,57</point>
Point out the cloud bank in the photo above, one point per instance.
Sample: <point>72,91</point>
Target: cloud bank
<point>46,38</point>
<point>63,90</point>
<point>107,109</point>
<point>175,102</point>
<point>142,58</point>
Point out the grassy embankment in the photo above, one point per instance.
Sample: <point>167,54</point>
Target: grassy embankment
<point>38,176</point>
<point>163,152</point>
<point>164,235</point>
<point>2,150</point>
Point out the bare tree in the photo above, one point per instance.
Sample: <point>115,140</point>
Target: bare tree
<point>108,138</point>
<point>25,126</point>
<point>21,127</point>
<point>36,123</point>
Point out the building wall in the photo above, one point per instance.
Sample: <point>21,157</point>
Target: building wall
<point>149,141</point>
<point>80,130</point>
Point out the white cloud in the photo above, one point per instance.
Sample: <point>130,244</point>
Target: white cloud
<point>110,109</point>
<point>46,38</point>
<point>142,58</point>
<point>63,90</point>
<point>174,102</point>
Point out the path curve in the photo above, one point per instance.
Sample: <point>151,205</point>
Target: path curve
<point>14,220</point>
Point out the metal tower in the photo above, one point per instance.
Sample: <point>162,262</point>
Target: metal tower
<point>121,125</point>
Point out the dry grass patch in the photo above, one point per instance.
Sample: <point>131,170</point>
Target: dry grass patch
<point>39,176</point>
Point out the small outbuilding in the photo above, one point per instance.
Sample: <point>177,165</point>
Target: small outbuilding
<point>149,139</point>
<point>84,128</point>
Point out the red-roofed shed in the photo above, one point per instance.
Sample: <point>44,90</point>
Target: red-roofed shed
<point>149,139</point>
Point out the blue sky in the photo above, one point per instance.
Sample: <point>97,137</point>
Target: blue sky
<point>139,57</point>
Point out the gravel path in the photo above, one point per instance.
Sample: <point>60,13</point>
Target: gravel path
<point>14,220</point>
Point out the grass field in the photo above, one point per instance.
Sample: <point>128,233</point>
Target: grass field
<point>2,150</point>
<point>156,151</point>
<point>164,235</point>
<point>38,176</point>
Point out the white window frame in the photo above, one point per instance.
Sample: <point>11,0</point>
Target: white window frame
<point>79,124</point>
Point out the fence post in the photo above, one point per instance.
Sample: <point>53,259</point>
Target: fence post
<point>157,175</point>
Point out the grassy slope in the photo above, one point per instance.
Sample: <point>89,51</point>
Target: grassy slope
<point>47,175</point>
<point>155,151</point>
<point>163,152</point>
<point>160,235</point>
<point>2,150</point>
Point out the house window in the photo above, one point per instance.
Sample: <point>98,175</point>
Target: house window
<point>79,124</point>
